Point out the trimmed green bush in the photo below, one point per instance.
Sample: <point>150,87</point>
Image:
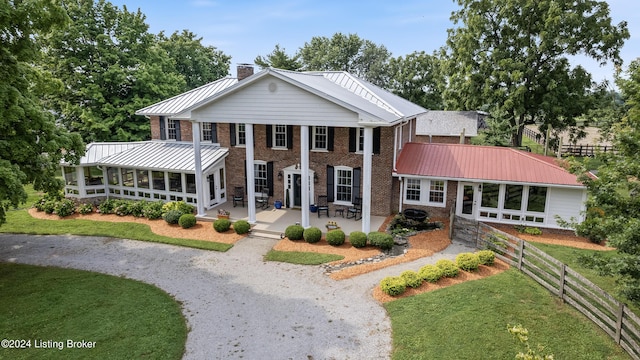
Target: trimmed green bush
<point>411,278</point>
<point>187,221</point>
<point>122,207</point>
<point>84,209</point>
<point>393,285</point>
<point>487,257</point>
<point>448,267</point>
<point>222,225</point>
<point>181,206</point>
<point>312,235</point>
<point>468,261</point>
<point>49,206</point>
<point>172,216</point>
<point>107,206</point>
<point>294,232</point>
<point>241,227</point>
<point>532,231</point>
<point>136,208</point>
<point>382,240</point>
<point>358,239</point>
<point>65,207</point>
<point>152,210</point>
<point>335,237</point>
<point>430,273</point>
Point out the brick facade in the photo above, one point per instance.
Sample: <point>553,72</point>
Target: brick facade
<point>436,212</point>
<point>441,139</point>
<point>186,132</point>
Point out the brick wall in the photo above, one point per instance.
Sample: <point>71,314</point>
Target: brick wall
<point>155,127</point>
<point>441,139</point>
<point>438,212</point>
<point>186,132</point>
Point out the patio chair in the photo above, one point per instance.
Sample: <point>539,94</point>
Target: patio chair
<point>238,195</point>
<point>262,200</point>
<point>355,210</point>
<point>323,206</point>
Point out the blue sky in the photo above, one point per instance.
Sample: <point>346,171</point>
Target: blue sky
<point>246,29</point>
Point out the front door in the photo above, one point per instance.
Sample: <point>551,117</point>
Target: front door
<point>467,200</point>
<point>297,190</point>
<point>211,180</point>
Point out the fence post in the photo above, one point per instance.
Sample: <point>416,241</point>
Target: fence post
<point>619,323</point>
<point>562,275</point>
<point>521,255</point>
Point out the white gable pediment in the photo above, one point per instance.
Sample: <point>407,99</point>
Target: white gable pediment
<point>273,101</point>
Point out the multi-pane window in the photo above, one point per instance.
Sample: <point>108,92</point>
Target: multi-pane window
<point>241,134</point>
<point>344,181</point>
<point>360,140</point>
<point>260,174</point>
<point>436,191</point>
<point>319,137</point>
<point>171,129</point>
<point>280,136</point>
<point>206,131</point>
<point>413,190</point>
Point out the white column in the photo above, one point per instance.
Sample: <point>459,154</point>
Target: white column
<point>195,130</point>
<point>251,178</point>
<point>304,164</point>
<point>367,164</point>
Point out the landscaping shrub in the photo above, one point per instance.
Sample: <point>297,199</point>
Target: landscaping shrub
<point>487,257</point>
<point>107,206</point>
<point>468,261</point>
<point>411,278</point>
<point>172,216</point>
<point>430,273</point>
<point>181,206</point>
<point>152,210</point>
<point>312,235</point>
<point>49,206</point>
<point>65,207</point>
<point>136,208</point>
<point>84,209</point>
<point>123,207</point>
<point>335,237</point>
<point>382,240</point>
<point>187,221</point>
<point>448,267</point>
<point>294,232</point>
<point>358,239</point>
<point>532,231</point>
<point>496,242</point>
<point>222,225</point>
<point>241,227</point>
<point>393,285</point>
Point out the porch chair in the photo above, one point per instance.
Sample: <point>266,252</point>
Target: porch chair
<point>238,195</point>
<point>323,205</point>
<point>355,211</point>
<point>262,200</point>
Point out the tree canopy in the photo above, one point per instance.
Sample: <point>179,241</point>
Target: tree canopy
<point>418,78</point>
<point>31,145</point>
<point>510,57</point>
<point>279,59</point>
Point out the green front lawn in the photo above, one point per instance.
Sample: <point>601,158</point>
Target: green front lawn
<point>469,321</point>
<point>124,319</point>
<point>301,258</point>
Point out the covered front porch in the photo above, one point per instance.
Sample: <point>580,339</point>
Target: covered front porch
<point>272,221</point>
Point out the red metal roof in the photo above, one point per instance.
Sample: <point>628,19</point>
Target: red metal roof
<point>469,162</point>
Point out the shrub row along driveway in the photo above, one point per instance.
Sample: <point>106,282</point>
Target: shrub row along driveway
<point>236,305</point>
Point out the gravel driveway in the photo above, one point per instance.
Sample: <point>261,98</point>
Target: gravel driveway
<point>237,305</point>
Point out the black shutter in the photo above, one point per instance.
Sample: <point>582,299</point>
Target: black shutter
<point>270,177</point>
<point>289,137</point>
<point>376,140</point>
<point>232,135</point>
<point>214,132</point>
<point>269,136</point>
<point>163,128</point>
<point>330,183</point>
<point>353,139</point>
<point>246,181</point>
<point>330,135</point>
<point>356,183</point>
<point>178,134</point>
<point>311,137</point>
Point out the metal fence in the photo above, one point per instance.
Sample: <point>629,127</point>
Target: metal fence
<point>613,316</point>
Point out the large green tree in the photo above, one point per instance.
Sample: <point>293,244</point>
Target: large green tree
<point>350,53</point>
<point>111,66</point>
<point>31,145</point>
<point>510,57</point>
<point>418,78</point>
<point>197,63</point>
<point>614,196</point>
<point>279,59</point>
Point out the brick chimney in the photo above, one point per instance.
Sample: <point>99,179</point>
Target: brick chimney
<point>244,71</point>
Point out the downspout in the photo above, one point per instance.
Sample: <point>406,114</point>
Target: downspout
<point>401,192</point>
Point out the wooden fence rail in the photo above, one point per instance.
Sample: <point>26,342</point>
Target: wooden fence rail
<point>613,316</point>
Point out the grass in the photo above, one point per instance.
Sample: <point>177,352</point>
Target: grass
<point>469,321</point>
<point>301,258</point>
<point>126,319</point>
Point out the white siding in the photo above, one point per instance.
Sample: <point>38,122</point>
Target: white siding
<point>566,203</point>
<point>273,101</point>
